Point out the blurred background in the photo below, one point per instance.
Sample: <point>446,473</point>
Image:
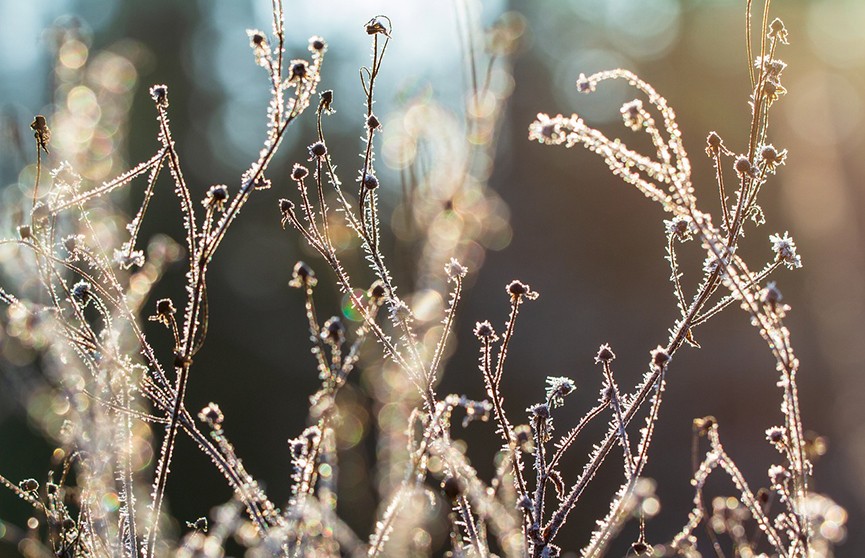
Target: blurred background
<point>589,245</point>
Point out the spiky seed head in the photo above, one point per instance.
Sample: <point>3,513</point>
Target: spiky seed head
<point>219,192</point>
<point>326,100</point>
<point>159,94</point>
<point>299,172</point>
<point>318,149</point>
<point>317,44</point>
<point>299,69</point>
<point>540,410</point>
<point>519,290</point>
<point>775,434</point>
<point>605,354</point>
<point>660,357</point>
<point>743,166</point>
<point>165,307</point>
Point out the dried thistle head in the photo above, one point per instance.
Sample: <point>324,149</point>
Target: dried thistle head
<point>41,132</point>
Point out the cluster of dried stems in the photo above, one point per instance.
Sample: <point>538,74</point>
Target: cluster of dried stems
<point>80,310</point>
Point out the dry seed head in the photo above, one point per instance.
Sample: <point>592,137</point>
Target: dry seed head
<point>159,94</point>
<point>24,232</point>
<point>775,435</point>
<point>302,276</point>
<point>325,102</point>
<point>778,31</point>
<point>372,122</point>
<point>605,354</point>
<point>81,292</point>
<point>318,149</point>
<point>557,388</point>
<point>660,357</point>
<point>370,182</point>
<point>743,166</point>
<point>454,269</point>
<point>212,415</point>
<point>714,144</point>
<point>704,424</point>
<point>216,197</point>
<point>219,192</point>
<point>377,292</point>
<point>519,290</point>
<point>299,172</point>
<point>632,114</point>
<point>484,330</point>
<point>286,206</point>
<point>333,332</point>
<point>584,85</point>
<point>772,157</point>
<point>299,70</point>
<point>377,26</point>
<point>785,250</point>
<point>540,410</point>
<point>453,488</point>
<point>29,485</point>
<point>165,307</point>
<point>317,44</point>
<point>41,131</point>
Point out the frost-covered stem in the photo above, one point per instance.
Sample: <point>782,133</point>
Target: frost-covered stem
<point>650,422</point>
<point>181,189</point>
<point>506,338</point>
<point>674,275</point>
<point>448,327</point>
<point>126,450</point>
<point>722,192</point>
<point>309,212</point>
<point>618,508</point>
<point>748,498</point>
<point>678,337</point>
<point>383,527</point>
<point>197,272</point>
<point>569,438</point>
<point>615,403</point>
<point>314,332</point>
<point>148,194</point>
<point>501,418</point>
<point>729,299</point>
<point>471,528</point>
<point>541,477</point>
<point>36,181</point>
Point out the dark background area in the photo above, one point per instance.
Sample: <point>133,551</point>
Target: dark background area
<point>590,245</point>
